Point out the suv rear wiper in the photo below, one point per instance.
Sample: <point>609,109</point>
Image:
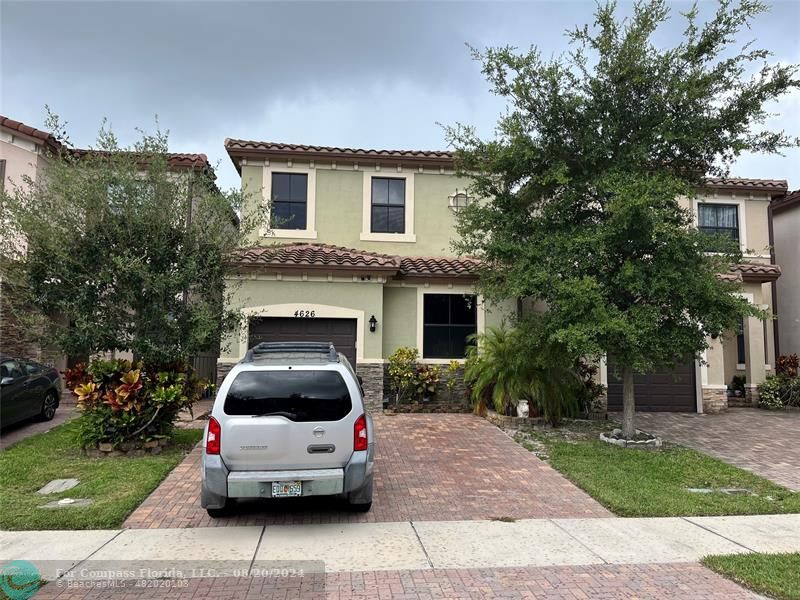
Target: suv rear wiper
<point>278,413</point>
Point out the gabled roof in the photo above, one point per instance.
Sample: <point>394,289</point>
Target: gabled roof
<point>238,149</point>
<point>318,256</point>
<point>47,138</point>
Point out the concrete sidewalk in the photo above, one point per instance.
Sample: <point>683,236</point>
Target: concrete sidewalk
<point>421,545</point>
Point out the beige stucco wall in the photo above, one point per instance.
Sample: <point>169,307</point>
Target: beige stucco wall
<point>323,297</point>
<point>339,207</point>
<point>396,308</point>
<point>753,219</point>
<point>721,372</point>
<point>22,159</point>
<point>786,229</point>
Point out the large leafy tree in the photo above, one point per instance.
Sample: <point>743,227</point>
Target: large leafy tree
<point>579,192</point>
<point>117,249</point>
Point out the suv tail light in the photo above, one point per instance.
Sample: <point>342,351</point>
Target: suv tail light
<point>213,437</point>
<point>360,433</point>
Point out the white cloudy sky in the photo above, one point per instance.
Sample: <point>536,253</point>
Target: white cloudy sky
<point>362,74</point>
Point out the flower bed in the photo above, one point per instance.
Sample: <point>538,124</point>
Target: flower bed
<point>130,408</point>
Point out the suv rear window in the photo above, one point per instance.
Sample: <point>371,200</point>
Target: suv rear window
<point>297,395</point>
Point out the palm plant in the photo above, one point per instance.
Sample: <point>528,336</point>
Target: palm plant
<point>495,369</point>
<point>554,387</point>
<point>507,365</point>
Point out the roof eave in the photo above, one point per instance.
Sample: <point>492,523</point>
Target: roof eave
<point>237,154</point>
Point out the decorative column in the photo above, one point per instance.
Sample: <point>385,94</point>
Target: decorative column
<point>712,375</point>
<point>754,358</point>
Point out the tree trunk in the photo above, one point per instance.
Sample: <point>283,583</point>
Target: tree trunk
<point>628,403</point>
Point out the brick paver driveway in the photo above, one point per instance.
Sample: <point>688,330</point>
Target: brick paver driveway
<point>647,581</point>
<point>761,441</point>
<point>428,467</point>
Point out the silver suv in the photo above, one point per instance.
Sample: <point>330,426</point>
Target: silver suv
<point>289,420</point>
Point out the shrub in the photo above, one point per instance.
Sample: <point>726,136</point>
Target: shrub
<point>453,368</point>
<point>402,373</point>
<point>787,365</point>
<point>590,391</point>
<point>426,379</point>
<point>496,370</point>
<point>737,384</point>
<point>508,365</point>
<point>779,391</point>
<point>125,403</point>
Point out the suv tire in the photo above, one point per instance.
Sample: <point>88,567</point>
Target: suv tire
<point>364,507</point>
<point>224,511</point>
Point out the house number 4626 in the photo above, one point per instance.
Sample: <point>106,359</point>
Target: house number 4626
<point>305,314</point>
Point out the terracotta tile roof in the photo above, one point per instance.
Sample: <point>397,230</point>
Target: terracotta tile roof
<point>783,202</point>
<point>320,256</point>
<point>38,134</point>
<point>315,255</point>
<point>758,272</point>
<point>175,159</point>
<point>770,185</point>
<point>438,266</point>
<point>730,276</point>
<point>238,149</point>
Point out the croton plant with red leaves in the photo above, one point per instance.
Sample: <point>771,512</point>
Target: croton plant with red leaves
<point>124,402</point>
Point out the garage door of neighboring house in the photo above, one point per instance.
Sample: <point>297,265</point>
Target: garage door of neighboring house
<point>342,332</point>
<point>667,390</point>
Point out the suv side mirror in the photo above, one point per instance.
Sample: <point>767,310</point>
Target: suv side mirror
<point>6,381</point>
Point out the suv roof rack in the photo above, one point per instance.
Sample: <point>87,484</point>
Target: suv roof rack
<point>283,347</point>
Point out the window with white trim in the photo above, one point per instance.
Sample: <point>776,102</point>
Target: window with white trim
<point>448,320</point>
<point>718,219</point>
<point>388,205</point>
<point>289,197</point>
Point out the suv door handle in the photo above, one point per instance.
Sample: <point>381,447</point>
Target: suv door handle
<point>321,448</point>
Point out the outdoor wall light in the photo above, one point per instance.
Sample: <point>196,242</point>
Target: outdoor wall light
<point>373,322</point>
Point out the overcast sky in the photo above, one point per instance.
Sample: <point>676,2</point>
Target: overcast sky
<point>359,74</point>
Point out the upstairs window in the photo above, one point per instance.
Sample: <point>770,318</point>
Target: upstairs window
<point>289,200</point>
<point>719,219</point>
<point>388,207</point>
<point>448,320</point>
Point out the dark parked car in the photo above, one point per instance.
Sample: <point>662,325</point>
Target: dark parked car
<point>27,389</point>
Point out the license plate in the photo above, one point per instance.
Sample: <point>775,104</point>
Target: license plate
<point>287,489</point>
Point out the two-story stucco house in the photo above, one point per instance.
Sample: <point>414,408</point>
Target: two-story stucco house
<point>360,255</point>
<point>738,208</point>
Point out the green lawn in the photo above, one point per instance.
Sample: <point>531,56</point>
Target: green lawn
<point>117,485</point>
<point>642,483</point>
<point>777,575</point>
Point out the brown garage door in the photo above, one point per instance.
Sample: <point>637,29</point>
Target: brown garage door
<point>342,332</point>
<point>667,390</point>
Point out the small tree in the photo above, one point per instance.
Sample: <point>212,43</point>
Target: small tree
<point>580,190</point>
<point>116,249</point>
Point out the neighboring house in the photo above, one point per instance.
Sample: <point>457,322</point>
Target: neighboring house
<point>785,222</point>
<point>23,154</point>
<point>26,151</point>
<point>738,208</point>
<point>360,255</point>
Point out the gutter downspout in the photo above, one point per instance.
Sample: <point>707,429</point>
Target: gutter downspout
<point>774,284</point>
